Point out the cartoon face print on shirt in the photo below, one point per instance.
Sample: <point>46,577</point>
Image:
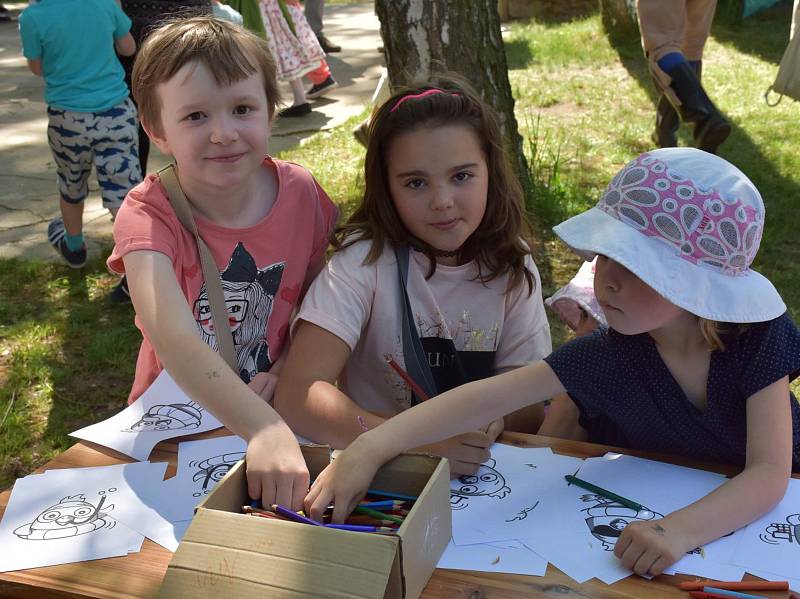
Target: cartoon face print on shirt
<point>487,482</point>
<point>70,517</point>
<point>249,296</point>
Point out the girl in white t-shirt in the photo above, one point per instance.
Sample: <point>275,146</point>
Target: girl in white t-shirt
<point>439,191</point>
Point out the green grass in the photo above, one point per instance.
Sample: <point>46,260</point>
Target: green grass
<point>585,108</point>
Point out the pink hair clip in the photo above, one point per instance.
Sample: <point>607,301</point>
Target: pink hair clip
<point>427,92</point>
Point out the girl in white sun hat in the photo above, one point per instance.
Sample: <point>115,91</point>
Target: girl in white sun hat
<point>696,359</point>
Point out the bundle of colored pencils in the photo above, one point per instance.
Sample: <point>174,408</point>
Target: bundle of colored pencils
<point>711,589</point>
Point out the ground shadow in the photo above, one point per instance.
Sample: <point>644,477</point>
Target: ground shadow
<point>731,29</point>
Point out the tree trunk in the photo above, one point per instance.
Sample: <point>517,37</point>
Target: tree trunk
<point>619,19</point>
<point>424,38</point>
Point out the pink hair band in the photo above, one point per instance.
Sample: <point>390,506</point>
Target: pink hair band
<point>427,92</point>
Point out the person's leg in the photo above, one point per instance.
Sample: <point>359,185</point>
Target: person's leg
<point>322,81</point>
<point>313,13</point>
<point>663,40</point>
<point>72,155</point>
<point>115,140</point>
<point>300,106</point>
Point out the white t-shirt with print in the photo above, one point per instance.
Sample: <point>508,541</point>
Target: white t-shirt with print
<point>492,331</point>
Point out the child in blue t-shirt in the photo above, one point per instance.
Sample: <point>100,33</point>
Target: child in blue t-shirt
<point>696,361</point>
<point>92,121</point>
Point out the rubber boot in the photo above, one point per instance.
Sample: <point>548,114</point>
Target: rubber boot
<point>710,127</point>
<point>667,119</point>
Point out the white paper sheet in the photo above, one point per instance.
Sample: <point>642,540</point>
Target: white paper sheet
<point>201,464</point>
<point>772,543</point>
<point>164,411</point>
<point>68,516</point>
<point>496,503</point>
<point>662,488</point>
<point>511,557</point>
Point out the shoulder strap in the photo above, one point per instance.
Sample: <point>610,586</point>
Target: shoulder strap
<point>216,297</point>
<point>416,361</point>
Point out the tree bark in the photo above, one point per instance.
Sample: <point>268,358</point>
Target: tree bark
<point>619,19</point>
<point>423,38</point>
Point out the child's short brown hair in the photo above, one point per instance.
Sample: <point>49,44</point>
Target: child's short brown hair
<point>228,51</point>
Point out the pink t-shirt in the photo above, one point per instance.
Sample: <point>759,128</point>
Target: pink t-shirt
<point>490,330</point>
<point>262,267</point>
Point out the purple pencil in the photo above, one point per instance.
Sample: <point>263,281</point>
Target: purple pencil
<point>287,513</point>
<point>360,528</point>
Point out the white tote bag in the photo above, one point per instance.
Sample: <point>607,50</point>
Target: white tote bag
<point>787,83</point>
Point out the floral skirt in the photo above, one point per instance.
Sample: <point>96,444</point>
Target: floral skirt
<point>295,53</point>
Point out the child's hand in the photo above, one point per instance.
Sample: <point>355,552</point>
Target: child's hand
<point>264,384</point>
<point>465,452</point>
<point>650,547</point>
<point>495,429</point>
<point>344,482</point>
<point>276,470</point>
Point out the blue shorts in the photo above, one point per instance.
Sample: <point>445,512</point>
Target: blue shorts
<point>107,139</point>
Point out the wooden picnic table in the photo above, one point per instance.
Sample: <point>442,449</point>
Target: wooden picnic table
<point>140,574</point>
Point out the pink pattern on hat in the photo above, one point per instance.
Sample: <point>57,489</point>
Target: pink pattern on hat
<point>705,228</point>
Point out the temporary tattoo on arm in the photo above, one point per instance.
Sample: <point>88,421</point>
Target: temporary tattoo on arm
<point>659,529</point>
<point>212,374</point>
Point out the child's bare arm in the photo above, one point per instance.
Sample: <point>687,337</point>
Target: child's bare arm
<point>306,396</point>
<point>35,66</point>
<point>125,45</point>
<point>652,546</point>
<point>464,408</point>
<point>314,407</point>
<point>276,471</point>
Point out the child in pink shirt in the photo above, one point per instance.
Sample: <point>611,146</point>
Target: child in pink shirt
<point>206,91</point>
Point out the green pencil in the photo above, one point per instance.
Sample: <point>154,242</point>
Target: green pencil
<point>604,493</point>
<point>378,515</point>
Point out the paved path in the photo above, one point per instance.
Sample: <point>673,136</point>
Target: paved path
<point>28,191</point>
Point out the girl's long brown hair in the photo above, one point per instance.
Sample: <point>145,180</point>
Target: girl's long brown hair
<point>503,238</point>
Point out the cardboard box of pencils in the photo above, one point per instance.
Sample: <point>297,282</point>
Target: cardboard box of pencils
<point>229,554</point>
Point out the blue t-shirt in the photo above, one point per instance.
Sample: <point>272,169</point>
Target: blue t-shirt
<point>628,397</point>
<point>75,41</point>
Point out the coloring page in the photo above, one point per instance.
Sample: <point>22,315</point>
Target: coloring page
<point>63,519</point>
<point>496,503</point>
<point>139,489</point>
<point>772,543</point>
<point>572,521</point>
<point>510,557</point>
<point>201,465</point>
<point>164,411</point>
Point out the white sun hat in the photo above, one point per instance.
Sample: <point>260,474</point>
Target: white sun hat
<point>688,224</point>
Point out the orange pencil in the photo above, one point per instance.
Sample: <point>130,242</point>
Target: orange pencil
<point>407,378</point>
<point>744,585</point>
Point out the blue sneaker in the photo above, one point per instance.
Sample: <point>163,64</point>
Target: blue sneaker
<point>55,235</point>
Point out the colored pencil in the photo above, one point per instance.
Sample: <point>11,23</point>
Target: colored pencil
<point>287,513</point>
<point>391,495</point>
<point>358,519</point>
<point>574,480</point>
<point>744,585</point>
<point>360,528</point>
<point>417,390</point>
<point>707,595</point>
<point>390,504</point>
<point>378,515</point>
<point>729,593</point>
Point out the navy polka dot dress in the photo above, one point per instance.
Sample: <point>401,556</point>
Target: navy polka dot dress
<point>628,397</point>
